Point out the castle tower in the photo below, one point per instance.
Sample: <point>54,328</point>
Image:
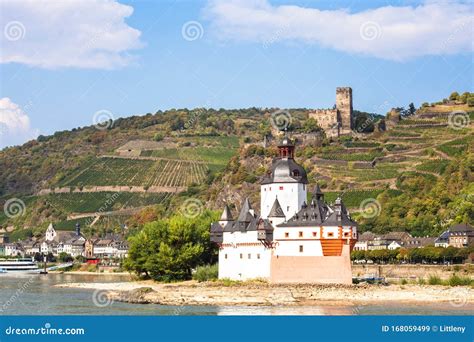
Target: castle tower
<point>344,107</point>
<point>287,180</point>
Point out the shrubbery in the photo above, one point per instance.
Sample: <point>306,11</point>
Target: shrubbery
<point>206,273</point>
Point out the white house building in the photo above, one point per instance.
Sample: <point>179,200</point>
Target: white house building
<point>290,241</point>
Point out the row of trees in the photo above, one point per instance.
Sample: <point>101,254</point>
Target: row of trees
<point>429,254</point>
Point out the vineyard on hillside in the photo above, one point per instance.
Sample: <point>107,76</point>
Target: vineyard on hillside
<point>103,201</point>
<point>146,173</point>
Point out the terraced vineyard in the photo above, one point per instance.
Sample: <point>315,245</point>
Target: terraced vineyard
<point>103,201</point>
<point>213,156</point>
<point>131,172</point>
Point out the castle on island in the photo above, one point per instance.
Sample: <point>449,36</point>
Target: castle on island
<point>293,239</point>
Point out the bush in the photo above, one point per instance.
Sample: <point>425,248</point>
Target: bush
<point>456,280</point>
<point>205,273</point>
<point>434,280</point>
<point>403,281</point>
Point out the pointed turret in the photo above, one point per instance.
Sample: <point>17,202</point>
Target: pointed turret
<point>318,194</point>
<point>226,214</point>
<point>276,210</point>
<point>246,213</point>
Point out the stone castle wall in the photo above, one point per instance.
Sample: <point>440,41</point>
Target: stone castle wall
<point>339,120</point>
<point>344,106</point>
<point>312,269</point>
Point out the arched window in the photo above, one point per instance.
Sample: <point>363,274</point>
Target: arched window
<point>296,173</point>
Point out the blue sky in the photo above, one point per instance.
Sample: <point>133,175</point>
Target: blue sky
<point>262,53</point>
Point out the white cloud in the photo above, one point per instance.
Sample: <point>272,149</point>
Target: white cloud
<point>72,33</point>
<point>394,33</point>
<point>15,125</point>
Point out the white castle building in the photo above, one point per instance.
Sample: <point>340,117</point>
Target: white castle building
<point>291,240</point>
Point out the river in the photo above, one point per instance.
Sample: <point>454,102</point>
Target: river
<point>36,295</point>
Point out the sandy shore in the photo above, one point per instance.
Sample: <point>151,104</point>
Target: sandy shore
<point>209,293</point>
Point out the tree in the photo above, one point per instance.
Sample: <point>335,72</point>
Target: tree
<point>470,101</point>
<point>454,96</point>
<point>411,109</point>
<point>158,137</point>
<point>169,249</point>
<point>64,257</point>
<point>311,126</point>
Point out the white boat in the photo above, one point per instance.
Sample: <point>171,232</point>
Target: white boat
<point>18,266</point>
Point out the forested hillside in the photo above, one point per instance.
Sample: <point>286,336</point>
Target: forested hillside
<point>417,175</point>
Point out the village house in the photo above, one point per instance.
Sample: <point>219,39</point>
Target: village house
<point>461,235</point>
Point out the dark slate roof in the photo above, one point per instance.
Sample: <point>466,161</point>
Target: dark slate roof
<point>264,224</point>
<point>367,236</point>
<point>317,193</point>
<point>337,220</point>
<point>245,215</point>
<point>309,215</point>
<point>444,237</point>
<point>276,210</point>
<point>226,214</point>
<point>397,236</point>
<point>245,222</point>
<point>286,170</point>
<point>462,227</point>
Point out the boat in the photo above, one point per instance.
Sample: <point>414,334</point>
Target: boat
<point>19,266</point>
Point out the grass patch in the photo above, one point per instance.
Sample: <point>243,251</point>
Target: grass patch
<point>206,273</point>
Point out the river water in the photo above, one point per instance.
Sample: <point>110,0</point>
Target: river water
<point>36,295</point>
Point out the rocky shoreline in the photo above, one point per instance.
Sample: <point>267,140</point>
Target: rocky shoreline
<point>262,294</point>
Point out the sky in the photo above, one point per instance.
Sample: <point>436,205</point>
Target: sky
<point>67,64</point>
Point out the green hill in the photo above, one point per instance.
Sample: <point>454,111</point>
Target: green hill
<point>420,171</point>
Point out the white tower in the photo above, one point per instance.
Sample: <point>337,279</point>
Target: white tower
<point>287,181</point>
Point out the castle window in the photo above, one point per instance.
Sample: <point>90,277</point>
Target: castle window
<point>250,256</point>
<point>300,234</point>
<point>241,256</point>
<point>301,248</point>
<point>288,208</point>
<point>287,234</point>
<point>330,234</point>
<point>304,186</point>
<point>258,256</point>
<point>346,234</point>
<point>225,256</point>
<point>296,173</point>
<point>281,188</point>
<point>315,234</point>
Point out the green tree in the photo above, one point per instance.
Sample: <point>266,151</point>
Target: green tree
<point>158,137</point>
<point>310,126</point>
<point>169,249</point>
<point>454,96</point>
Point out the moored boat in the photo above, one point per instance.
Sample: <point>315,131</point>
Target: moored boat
<point>18,266</point>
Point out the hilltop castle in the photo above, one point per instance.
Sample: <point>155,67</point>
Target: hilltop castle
<point>291,240</point>
<point>338,120</point>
